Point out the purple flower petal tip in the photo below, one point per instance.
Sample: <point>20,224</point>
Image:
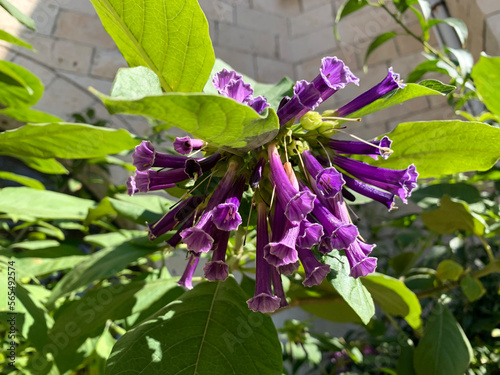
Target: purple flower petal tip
<point>239,91</point>
<point>395,77</point>
<point>280,254</point>
<point>344,236</point>
<point>144,156</point>
<point>316,276</point>
<point>226,217</point>
<point>222,79</point>
<point>310,234</point>
<point>197,240</point>
<point>299,206</point>
<point>364,267</point>
<point>131,186</point>
<point>186,145</point>
<point>264,303</point>
<point>329,182</point>
<point>258,104</point>
<point>216,270</point>
<point>142,181</point>
<point>336,74</point>
<point>289,269</point>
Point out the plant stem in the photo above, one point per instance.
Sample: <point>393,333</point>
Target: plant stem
<point>487,247</point>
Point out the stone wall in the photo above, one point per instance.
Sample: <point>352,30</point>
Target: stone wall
<point>265,39</point>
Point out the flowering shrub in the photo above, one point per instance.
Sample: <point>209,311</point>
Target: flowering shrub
<point>262,193</point>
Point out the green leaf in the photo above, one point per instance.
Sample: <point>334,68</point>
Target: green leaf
<point>335,310</point>
<point>87,317</point>
<point>65,140</point>
<point>23,180</point>
<point>273,93</point>
<point>426,9</point>
<point>486,75</point>
<point>18,86</point>
<point>458,25</point>
<point>377,42</point>
<point>43,204</point>
<point>135,83</point>
<point>411,91</point>
<point>25,114</point>
<point>9,38</point>
<point>347,8</point>
<point>46,261</point>
<point>425,67</point>
<point>48,166</point>
<point>431,195</point>
<point>351,289</point>
<point>452,216</point>
<point>394,298</point>
<point>472,288</point>
<point>169,37</point>
<point>16,13</point>
<point>213,329</point>
<point>216,119</point>
<point>449,270</point>
<point>438,148</point>
<point>100,265</point>
<point>444,349</point>
<point>465,60</point>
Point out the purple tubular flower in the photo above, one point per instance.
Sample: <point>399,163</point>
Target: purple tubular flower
<point>176,238</point>
<point>297,203</point>
<point>225,216</point>
<point>158,180</point>
<point>288,269</point>
<point>359,261</point>
<point>186,145</point>
<point>131,186</point>
<point>197,167</point>
<point>309,234</point>
<point>178,214</point>
<point>217,268</point>
<point>361,148</point>
<point>258,104</point>
<point>315,271</point>
<point>338,234</point>
<point>187,276</point>
<point>391,82</point>
<point>222,79</point>
<point>334,75</point>
<point>283,252</point>
<point>263,299</point>
<point>278,287</point>
<point>257,173</point>
<point>239,91</point>
<point>369,191</point>
<point>329,181</point>
<point>400,182</point>
<point>146,157</point>
<point>306,97</point>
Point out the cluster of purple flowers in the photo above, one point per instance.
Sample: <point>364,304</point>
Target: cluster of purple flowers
<point>301,212</point>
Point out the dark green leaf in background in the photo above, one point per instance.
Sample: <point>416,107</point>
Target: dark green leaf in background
<point>449,270</point>
<point>444,348</point>
<point>208,330</point>
<point>169,37</point>
<point>472,288</point>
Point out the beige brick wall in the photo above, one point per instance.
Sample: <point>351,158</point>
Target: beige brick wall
<point>265,39</point>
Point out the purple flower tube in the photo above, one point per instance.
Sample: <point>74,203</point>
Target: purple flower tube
<point>297,204</point>
<point>315,271</point>
<point>187,277</point>
<point>146,157</point>
<point>334,75</point>
<point>357,255</point>
<point>225,215</point>
<point>383,147</point>
<point>329,181</point>
<point>263,300</point>
<point>152,180</point>
<point>186,145</point>
<point>217,268</point>
<point>389,83</point>
<point>306,97</point>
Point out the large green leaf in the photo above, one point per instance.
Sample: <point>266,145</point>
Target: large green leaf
<point>486,74</point>
<point>100,265</point>
<point>88,316</point>
<point>216,119</point>
<point>20,16</point>
<point>169,37</point>
<point>443,147</point>
<point>394,298</point>
<point>48,260</point>
<point>26,114</point>
<point>411,91</point>
<point>18,86</point>
<point>65,140</point>
<point>43,204</point>
<point>48,166</point>
<point>452,216</point>
<point>444,349</point>
<point>351,289</point>
<point>207,330</point>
